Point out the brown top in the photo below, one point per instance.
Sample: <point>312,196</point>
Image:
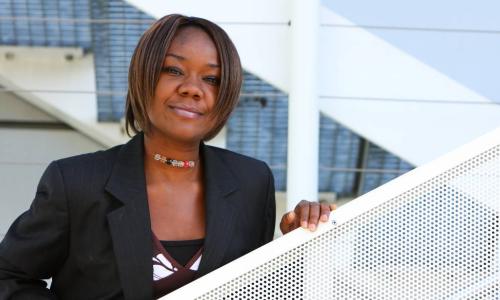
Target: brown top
<point>168,274</point>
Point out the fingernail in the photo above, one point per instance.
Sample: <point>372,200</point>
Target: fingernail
<point>303,224</point>
<point>312,227</point>
<point>324,218</point>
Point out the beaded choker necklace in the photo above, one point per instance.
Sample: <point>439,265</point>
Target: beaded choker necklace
<point>174,162</point>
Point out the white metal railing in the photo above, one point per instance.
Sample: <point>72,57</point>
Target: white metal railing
<point>432,233</point>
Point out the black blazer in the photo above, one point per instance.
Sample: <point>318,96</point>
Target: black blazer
<point>89,228</point>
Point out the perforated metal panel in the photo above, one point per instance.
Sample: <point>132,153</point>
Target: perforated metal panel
<point>431,234</point>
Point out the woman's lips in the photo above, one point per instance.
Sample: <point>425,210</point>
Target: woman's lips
<point>186,112</point>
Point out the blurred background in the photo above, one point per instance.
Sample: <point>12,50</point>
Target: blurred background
<point>398,84</point>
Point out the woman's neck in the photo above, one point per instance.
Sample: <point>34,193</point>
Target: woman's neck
<point>154,145</point>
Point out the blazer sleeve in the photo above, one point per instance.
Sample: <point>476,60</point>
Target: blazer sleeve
<point>270,210</point>
<point>36,244</point>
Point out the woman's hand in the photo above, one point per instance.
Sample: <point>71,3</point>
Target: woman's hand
<point>306,215</point>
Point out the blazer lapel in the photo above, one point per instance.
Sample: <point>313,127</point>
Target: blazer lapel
<point>130,224</point>
<point>220,185</point>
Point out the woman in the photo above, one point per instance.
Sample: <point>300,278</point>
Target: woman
<point>142,219</point>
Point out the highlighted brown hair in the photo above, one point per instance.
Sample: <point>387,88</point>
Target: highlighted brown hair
<point>146,65</point>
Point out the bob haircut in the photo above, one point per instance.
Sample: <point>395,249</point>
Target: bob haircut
<point>146,65</point>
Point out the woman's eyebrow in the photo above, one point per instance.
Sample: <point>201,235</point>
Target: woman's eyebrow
<point>180,57</point>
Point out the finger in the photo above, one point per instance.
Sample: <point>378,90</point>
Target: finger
<point>287,222</point>
<point>333,206</point>
<point>325,212</point>
<point>302,210</point>
<point>295,222</point>
<point>288,217</point>
<point>314,214</point>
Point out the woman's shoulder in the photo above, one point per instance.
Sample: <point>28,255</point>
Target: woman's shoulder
<point>94,167</point>
<point>239,161</point>
<point>103,158</point>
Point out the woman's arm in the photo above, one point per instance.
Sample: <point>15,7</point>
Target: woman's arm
<point>36,244</point>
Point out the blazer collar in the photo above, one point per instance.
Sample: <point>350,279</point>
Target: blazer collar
<point>220,189</point>
<point>130,224</point>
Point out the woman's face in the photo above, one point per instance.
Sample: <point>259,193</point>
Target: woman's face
<point>187,88</point>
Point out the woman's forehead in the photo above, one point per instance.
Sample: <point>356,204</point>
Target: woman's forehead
<point>191,42</point>
<point>192,35</point>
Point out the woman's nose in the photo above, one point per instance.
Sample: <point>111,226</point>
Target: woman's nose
<point>191,88</point>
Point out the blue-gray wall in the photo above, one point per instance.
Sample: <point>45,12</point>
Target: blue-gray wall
<point>51,23</point>
<point>113,44</point>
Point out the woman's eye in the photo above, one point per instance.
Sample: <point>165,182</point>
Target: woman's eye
<point>212,80</point>
<point>172,70</point>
